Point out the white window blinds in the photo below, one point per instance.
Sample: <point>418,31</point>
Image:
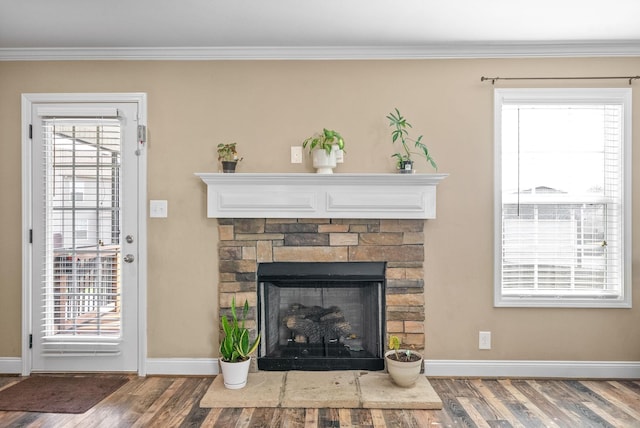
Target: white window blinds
<point>81,284</point>
<point>561,225</point>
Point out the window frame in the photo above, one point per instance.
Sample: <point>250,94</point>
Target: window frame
<point>622,96</point>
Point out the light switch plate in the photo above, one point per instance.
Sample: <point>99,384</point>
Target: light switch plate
<point>296,154</point>
<point>158,209</point>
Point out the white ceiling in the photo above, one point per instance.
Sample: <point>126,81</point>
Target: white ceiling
<point>312,28</point>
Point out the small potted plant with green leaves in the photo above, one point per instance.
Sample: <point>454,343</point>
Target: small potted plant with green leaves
<point>326,149</point>
<point>400,133</point>
<point>403,365</point>
<point>228,156</point>
<point>236,348</point>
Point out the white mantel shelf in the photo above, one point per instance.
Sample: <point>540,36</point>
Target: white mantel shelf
<point>308,195</point>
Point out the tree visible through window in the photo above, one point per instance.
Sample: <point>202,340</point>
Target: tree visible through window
<point>561,198</point>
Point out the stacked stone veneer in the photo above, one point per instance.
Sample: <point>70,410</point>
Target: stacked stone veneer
<point>246,242</point>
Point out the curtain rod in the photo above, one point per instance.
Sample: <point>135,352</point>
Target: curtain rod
<point>493,79</point>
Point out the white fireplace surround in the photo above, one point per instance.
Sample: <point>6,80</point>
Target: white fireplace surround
<point>308,195</point>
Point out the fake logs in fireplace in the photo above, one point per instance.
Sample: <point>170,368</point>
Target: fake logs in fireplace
<point>312,324</point>
<point>321,316</point>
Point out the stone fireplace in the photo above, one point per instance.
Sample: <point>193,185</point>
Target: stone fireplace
<point>338,218</point>
<point>245,243</point>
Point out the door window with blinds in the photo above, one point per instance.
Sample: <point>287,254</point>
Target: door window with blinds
<point>81,267</point>
<point>562,159</point>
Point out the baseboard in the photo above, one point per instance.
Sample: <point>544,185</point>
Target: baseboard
<point>10,365</point>
<point>534,369</point>
<point>182,366</point>
<point>154,366</point>
<point>442,368</point>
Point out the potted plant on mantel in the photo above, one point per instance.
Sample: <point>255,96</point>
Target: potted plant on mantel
<point>404,162</point>
<point>236,348</point>
<point>228,155</point>
<point>326,149</point>
<point>403,365</point>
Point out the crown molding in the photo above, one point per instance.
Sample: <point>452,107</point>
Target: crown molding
<point>427,51</point>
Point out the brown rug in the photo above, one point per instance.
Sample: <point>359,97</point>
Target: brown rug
<point>59,394</point>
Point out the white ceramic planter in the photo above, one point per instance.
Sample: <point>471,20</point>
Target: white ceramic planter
<point>235,375</point>
<point>324,162</point>
<point>403,373</point>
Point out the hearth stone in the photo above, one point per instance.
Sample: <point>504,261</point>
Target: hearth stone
<point>344,389</point>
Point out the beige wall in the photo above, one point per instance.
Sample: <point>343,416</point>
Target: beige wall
<point>268,106</point>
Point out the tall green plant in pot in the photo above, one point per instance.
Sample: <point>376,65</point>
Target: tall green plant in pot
<point>408,145</point>
<point>236,348</point>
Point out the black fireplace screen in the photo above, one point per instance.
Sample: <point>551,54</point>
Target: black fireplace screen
<point>321,316</point>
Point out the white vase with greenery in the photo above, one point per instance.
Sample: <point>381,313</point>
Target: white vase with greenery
<point>326,148</point>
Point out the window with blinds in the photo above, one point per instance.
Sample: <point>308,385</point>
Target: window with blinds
<point>81,271</point>
<point>562,197</point>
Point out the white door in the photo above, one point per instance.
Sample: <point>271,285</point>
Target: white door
<point>85,160</point>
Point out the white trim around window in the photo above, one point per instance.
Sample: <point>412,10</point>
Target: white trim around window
<point>562,222</point>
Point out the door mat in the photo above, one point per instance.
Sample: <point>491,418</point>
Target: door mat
<point>59,394</point>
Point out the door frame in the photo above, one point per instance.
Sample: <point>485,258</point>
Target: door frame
<point>27,211</point>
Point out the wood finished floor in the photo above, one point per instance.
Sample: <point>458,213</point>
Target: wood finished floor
<point>173,402</point>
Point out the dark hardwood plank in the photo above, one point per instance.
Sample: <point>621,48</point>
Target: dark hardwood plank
<point>568,399</point>
<point>151,412</point>
<point>448,392</point>
<point>196,415</point>
<point>547,407</point>
<point>361,418</point>
<point>181,403</point>
<point>328,418</point>
<point>432,418</point>
<point>174,402</point>
<point>278,418</point>
<point>262,417</point>
<point>377,417</point>
<point>228,418</point>
<point>616,396</point>
<point>212,417</point>
<point>311,418</point>
<point>500,415</point>
<point>244,420</point>
<point>521,410</point>
<point>293,418</point>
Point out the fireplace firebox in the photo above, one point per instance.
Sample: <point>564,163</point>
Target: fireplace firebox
<point>321,316</point>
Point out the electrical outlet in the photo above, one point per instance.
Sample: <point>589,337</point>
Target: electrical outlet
<point>296,154</point>
<point>484,340</point>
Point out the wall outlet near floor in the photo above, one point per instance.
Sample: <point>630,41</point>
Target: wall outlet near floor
<point>484,340</point>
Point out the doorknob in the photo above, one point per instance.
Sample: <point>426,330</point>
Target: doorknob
<point>129,239</point>
<point>129,258</point>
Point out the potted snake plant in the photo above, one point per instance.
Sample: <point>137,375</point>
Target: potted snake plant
<point>236,348</point>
